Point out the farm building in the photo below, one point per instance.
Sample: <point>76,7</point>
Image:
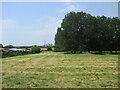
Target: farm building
<point>45,49</point>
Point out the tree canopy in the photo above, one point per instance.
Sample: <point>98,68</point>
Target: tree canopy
<point>35,49</point>
<point>1,45</point>
<point>80,31</point>
<point>9,46</point>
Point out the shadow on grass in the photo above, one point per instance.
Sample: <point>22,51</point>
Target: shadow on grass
<point>114,53</point>
<point>94,53</point>
<point>72,53</point>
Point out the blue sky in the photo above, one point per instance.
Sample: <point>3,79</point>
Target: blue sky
<point>35,23</point>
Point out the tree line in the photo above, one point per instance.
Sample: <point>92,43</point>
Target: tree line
<point>80,31</point>
<point>8,50</point>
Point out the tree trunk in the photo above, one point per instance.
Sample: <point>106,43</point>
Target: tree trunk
<point>104,51</point>
<point>74,52</point>
<point>80,51</point>
<point>71,52</point>
<point>88,51</point>
<point>110,51</point>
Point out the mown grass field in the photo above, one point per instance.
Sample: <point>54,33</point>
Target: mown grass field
<point>59,70</point>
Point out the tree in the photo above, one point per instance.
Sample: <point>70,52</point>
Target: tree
<point>49,48</point>
<point>8,46</point>
<point>35,49</point>
<point>1,46</point>
<point>73,29</point>
<point>59,40</point>
<point>48,45</point>
<point>115,27</point>
<point>80,31</point>
<point>70,36</point>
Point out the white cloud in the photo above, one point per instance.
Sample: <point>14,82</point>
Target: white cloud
<point>46,18</point>
<point>49,28</point>
<point>47,31</point>
<point>7,24</point>
<point>72,7</point>
<point>65,0</point>
<point>88,0</point>
<point>69,7</point>
<point>52,27</point>
<point>34,34</point>
<point>59,0</point>
<point>0,31</point>
<point>49,24</point>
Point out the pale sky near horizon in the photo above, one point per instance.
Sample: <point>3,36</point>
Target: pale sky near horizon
<point>35,23</point>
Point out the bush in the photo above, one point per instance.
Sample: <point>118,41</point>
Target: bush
<point>14,53</point>
<point>97,52</point>
<point>1,46</point>
<point>35,49</point>
<point>9,46</point>
<point>49,48</point>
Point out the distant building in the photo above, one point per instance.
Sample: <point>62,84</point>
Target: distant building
<point>11,49</point>
<point>43,49</point>
<point>53,49</point>
<point>15,49</point>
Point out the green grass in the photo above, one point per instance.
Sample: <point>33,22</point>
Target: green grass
<point>59,70</point>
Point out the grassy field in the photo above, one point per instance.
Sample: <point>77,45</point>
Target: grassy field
<point>59,70</point>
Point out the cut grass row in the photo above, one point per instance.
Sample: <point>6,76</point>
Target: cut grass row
<point>56,70</point>
<point>56,80</point>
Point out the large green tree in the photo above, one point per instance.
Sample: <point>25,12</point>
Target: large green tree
<point>80,31</point>
<point>59,40</point>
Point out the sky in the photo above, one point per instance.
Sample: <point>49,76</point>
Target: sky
<point>36,23</point>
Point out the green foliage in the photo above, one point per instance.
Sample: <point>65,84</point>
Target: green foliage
<point>14,53</point>
<point>80,31</point>
<point>8,46</point>
<point>1,45</point>
<point>10,53</point>
<point>35,49</point>
<point>48,45</point>
<point>59,40</point>
<point>49,48</point>
<point>59,70</point>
